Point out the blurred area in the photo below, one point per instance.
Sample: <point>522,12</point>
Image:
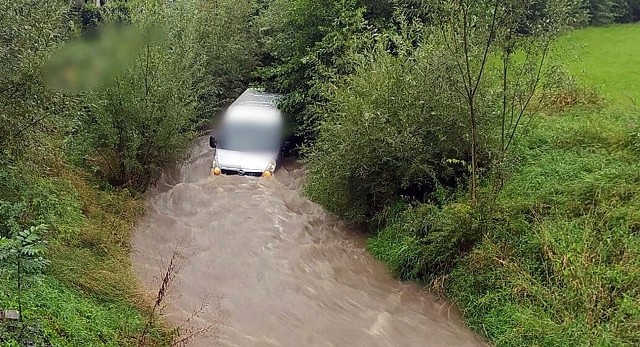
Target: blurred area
<point>95,58</point>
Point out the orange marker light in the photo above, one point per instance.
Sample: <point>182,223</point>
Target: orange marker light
<point>216,171</point>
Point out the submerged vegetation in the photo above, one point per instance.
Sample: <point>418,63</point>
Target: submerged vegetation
<point>490,147</point>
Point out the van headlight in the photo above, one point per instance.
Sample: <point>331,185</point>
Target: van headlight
<point>270,169</point>
<point>215,167</point>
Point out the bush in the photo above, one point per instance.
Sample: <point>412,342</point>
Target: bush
<point>30,114</point>
<point>389,131</point>
<point>426,241</point>
<point>143,119</point>
<point>225,52</point>
<point>603,12</point>
<point>306,44</point>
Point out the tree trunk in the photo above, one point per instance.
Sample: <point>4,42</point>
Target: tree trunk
<point>474,156</point>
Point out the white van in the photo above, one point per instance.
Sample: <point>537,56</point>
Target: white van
<point>249,137</point>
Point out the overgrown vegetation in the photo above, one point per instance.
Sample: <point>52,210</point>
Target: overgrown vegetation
<point>94,102</point>
<point>602,12</point>
<point>486,159</point>
<point>561,266</point>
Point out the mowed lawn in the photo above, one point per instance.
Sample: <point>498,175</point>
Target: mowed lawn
<point>607,58</point>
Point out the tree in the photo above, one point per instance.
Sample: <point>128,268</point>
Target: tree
<point>28,110</point>
<point>176,72</point>
<point>307,45</point>
<point>474,34</point>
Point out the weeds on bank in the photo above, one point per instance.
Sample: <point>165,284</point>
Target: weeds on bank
<point>558,263</point>
<point>185,332</point>
<point>88,294</point>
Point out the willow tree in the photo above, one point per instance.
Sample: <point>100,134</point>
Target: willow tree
<point>498,50</point>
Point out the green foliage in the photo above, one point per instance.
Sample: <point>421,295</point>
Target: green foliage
<point>551,259</point>
<point>24,250</point>
<point>23,256</point>
<point>563,92</point>
<point>88,242</point>
<point>142,120</point>
<point>60,316</point>
<point>225,53</point>
<point>425,242</point>
<point>127,105</point>
<point>28,32</point>
<point>430,102</point>
<point>602,12</point>
<point>563,268</point>
<point>308,43</point>
<point>389,131</point>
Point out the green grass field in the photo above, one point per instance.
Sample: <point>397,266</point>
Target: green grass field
<point>607,58</point>
<point>564,270</point>
<point>559,264</point>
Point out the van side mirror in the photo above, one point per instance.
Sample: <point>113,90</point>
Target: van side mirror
<point>212,142</point>
<point>285,146</point>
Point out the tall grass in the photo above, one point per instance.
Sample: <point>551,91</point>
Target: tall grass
<point>565,270</point>
<point>89,295</point>
<point>558,262</point>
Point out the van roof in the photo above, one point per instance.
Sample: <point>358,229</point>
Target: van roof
<point>255,106</point>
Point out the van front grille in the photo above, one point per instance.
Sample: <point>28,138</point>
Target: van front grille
<point>238,173</point>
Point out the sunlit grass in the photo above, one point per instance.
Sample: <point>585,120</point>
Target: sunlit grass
<point>607,58</point>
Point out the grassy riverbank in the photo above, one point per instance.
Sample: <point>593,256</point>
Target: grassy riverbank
<point>91,112</point>
<point>559,263</point>
<point>90,295</point>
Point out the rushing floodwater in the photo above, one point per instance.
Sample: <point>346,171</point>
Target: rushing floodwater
<point>276,269</point>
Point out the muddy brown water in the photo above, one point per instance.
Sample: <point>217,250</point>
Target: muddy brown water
<point>272,268</point>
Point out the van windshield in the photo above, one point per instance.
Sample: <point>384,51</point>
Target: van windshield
<point>249,137</point>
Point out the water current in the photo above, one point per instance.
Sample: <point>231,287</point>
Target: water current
<point>264,266</point>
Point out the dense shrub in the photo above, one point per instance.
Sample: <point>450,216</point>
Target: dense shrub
<point>306,44</point>
<point>29,112</point>
<point>389,131</point>
<point>601,12</point>
<point>426,241</point>
<point>225,53</point>
<point>142,119</point>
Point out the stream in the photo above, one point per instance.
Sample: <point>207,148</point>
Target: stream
<point>261,265</point>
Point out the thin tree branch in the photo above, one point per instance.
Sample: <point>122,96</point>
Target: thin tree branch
<point>534,86</point>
